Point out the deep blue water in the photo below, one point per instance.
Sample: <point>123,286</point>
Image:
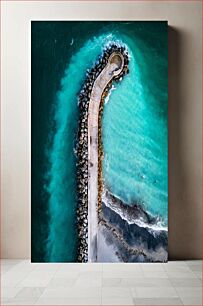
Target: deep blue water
<point>62,172</point>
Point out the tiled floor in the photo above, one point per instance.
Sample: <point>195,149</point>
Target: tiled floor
<point>174,283</point>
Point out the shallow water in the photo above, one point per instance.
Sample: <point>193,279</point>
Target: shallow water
<point>135,133</point>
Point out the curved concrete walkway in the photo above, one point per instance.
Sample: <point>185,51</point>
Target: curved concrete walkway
<point>113,68</point>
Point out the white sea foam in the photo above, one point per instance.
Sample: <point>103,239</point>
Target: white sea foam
<point>109,93</point>
<point>130,219</point>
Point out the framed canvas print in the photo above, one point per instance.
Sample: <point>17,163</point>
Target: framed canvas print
<point>99,131</point>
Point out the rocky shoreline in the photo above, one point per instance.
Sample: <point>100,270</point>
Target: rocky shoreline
<point>81,149</point>
<point>128,241</point>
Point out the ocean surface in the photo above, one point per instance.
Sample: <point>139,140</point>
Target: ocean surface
<point>134,126</point>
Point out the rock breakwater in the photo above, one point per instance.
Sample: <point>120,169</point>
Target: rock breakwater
<point>81,149</point>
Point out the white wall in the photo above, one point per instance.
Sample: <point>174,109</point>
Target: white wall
<point>184,112</point>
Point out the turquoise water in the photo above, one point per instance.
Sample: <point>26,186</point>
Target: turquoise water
<point>135,133</point>
<point>62,173</point>
<point>134,125</point>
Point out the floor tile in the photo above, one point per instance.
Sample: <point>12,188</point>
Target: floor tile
<point>88,282</point>
<point>198,274</point>
<point>90,275</point>
<point>177,268</point>
<point>46,267</point>
<point>12,262</point>
<point>153,292</point>
<point>81,267</point>
<point>176,263</point>
<point>21,301</point>
<point>61,282</point>
<point>119,267</point>
<point>9,292</point>
<point>4,301</point>
<point>89,279</point>
<point>196,268</point>
<point>64,273</point>
<point>115,292</point>
<point>169,283</point>
<point>123,274</point>
<point>145,282</point>
<point>178,274</point>
<point>118,301</point>
<point>5,268</point>
<point>158,301</point>
<point>193,262</point>
<point>189,291</point>
<point>15,275</point>
<point>69,301</point>
<point>185,282</point>
<point>192,301</point>
<point>112,282</point>
<point>73,292</point>
<point>148,267</point>
<point>37,279</point>
<point>28,292</point>
<point>155,274</point>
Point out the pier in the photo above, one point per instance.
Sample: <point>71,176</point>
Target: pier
<point>113,68</point>
<point>110,67</point>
